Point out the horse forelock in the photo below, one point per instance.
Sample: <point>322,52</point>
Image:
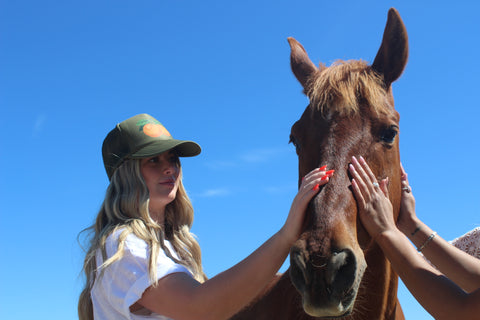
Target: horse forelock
<point>342,87</point>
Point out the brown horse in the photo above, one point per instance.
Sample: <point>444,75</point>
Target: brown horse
<point>336,270</point>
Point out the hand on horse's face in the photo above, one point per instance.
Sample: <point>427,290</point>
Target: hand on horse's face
<point>375,209</point>
<point>310,186</point>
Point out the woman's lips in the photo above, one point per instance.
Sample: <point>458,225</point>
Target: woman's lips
<point>169,182</point>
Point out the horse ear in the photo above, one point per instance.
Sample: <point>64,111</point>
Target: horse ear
<point>393,53</point>
<point>302,67</point>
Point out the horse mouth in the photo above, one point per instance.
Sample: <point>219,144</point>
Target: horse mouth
<point>328,285</point>
<point>335,309</point>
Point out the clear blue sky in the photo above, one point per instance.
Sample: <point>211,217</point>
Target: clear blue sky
<point>216,72</point>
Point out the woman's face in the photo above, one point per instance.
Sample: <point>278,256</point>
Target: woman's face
<point>161,176</point>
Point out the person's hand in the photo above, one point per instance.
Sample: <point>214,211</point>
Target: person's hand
<point>309,187</point>
<point>407,219</point>
<point>375,209</point>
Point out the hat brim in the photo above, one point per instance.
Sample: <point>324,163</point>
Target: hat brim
<point>182,148</point>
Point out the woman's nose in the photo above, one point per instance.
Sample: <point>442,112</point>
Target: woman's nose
<point>170,169</point>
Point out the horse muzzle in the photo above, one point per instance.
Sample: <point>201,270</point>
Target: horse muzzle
<point>328,283</point>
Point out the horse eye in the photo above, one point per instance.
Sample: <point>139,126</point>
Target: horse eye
<point>293,141</point>
<point>389,134</point>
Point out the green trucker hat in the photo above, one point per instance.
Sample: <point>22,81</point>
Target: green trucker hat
<point>141,136</point>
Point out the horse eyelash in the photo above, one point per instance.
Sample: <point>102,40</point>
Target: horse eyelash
<point>293,141</point>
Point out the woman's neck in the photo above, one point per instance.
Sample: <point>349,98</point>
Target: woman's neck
<point>158,215</point>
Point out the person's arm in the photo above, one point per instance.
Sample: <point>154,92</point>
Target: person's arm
<point>442,298</point>
<point>180,297</point>
<point>457,265</point>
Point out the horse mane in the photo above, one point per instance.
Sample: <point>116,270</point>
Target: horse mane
<point>344,86</point>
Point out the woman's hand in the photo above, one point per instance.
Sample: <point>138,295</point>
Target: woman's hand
<point>309,187</point>
<point>407,220</point>
<point>375,209</point>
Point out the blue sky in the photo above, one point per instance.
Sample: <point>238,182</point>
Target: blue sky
<point>216,72</point>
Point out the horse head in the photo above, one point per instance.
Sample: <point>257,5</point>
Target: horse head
<point>351,113</point>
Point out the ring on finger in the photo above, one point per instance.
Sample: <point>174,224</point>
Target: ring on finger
<point>375,184</point>
<point>407,189</point>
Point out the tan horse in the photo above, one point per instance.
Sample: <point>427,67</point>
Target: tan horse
<point>336,270</point>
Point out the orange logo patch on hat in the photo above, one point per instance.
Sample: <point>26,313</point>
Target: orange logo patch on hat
<point>153,128</point>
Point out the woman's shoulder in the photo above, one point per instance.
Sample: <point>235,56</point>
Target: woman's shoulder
<point>124,239</point>
<point>129,242</point>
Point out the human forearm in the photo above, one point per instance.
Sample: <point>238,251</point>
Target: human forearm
<point>457,265</point>
<point>436,293</point>
<point>237,286</point>
<point>180,297</point>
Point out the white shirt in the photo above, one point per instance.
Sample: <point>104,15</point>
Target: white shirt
<point>123,282</point>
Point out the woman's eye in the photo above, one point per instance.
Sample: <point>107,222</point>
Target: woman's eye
<point>153,160</point>
<point>389,134</point>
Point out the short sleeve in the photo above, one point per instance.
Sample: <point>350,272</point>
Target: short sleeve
<point>469,242</point>
<point>126,279</point>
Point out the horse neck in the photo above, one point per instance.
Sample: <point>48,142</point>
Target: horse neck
<point>281,301</point>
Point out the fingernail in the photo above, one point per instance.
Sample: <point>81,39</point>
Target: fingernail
<point>324,178</point>
<point>316,187</point>
<point>303,178</point>
<point>329,173</point>
<point>361,159</point>
<point>322,168</point>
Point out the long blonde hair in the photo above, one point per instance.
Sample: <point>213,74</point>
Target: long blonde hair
<point>126,207</point>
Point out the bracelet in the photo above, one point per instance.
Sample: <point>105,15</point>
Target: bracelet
<point>415,231</point>
<point>427,241</point>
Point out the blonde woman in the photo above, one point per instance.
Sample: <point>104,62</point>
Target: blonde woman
<point>143,262</point>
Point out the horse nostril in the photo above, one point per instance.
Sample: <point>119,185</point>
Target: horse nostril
<point>298,269</point>
<point>340,271</point>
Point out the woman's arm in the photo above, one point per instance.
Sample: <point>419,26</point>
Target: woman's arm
<point>436,293</point>
<point>441,297</point>
<point>180,297</point>
<point>457,265</point>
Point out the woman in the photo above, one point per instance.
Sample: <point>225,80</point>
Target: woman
<point>452,291</point>
<point>143,262</point>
